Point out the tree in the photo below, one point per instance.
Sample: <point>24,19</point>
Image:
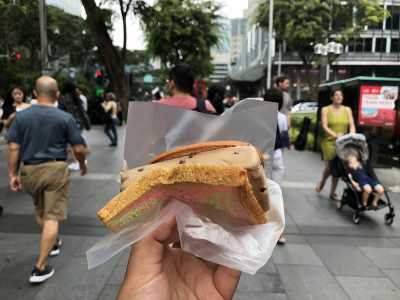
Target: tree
<point>181,31</point>
<point>19,31</point>
<point>304,23</point>
<point>112,57</point>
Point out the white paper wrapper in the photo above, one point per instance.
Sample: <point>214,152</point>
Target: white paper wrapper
<point>154,128</point>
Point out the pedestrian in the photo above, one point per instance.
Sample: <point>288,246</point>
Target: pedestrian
<point>337,120</point>
<point>282,83</point>
<point>15,102</point>
<point>180,87</point>
<point>83,98</point>
<point>71,103</point>
<point>158,271</point>
<point>229,101</point>
<point>281,142</point>
<point>110,107</point>
<point>39,138</point>
<point>216,95</point>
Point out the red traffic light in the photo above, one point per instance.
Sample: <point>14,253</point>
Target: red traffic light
<point>98,73</point>
<point>16,56</point>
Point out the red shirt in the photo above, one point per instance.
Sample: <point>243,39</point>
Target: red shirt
<point>185,102</point>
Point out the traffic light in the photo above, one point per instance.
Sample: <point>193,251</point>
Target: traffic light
<point>99,77</point>
<point>16,56</point>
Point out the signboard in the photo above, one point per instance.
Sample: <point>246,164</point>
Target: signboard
<point>376,105</point>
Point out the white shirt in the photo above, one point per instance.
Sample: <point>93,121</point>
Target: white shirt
<point>84,102</point>
<point>282,122</point>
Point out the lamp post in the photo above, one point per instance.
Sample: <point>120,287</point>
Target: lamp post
<point>43,35</point>
<point>328,53</point>
<point>270,31</point>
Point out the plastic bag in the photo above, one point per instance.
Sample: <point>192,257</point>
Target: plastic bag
<point>246,248</point>
<point>154,128</point>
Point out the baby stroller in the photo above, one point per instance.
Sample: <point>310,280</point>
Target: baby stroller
<point>357,144</point>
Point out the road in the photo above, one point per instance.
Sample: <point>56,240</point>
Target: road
<point>326,257</point>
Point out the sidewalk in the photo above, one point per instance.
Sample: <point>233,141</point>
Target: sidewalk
<point>326,257</point>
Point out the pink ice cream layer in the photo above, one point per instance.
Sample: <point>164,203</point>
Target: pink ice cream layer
<point>208,200</point>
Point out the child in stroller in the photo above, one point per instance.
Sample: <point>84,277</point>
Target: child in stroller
<point>362,182</point>
<point>362,185</point>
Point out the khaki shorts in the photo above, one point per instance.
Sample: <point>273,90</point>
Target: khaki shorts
<point>48,185</point>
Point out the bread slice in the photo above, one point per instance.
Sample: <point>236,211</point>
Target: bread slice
<point>196,148</point>
<point>238,167</point>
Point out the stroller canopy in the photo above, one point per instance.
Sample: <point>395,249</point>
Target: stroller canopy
<point>349,143</point>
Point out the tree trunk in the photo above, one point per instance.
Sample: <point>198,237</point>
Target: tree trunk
<point>108,53</point>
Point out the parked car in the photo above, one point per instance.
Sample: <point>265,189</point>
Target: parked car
<point>305,107</point>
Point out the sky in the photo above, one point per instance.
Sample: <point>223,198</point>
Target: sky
<point>231,9</point>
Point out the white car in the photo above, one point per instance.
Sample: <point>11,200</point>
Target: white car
<point>305,107</point>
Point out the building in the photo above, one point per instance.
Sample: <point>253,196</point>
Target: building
<point>72,7</point>
<point>238,32</point>
<point>375,52</point>
<point>250,56</point>
<point>221,53</point>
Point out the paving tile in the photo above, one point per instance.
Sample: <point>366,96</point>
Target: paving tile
<point>296,255</point>
<point>74,281</point>
<point>346,261</point>
<point>396,241</point>
<point>259,296</point>
<point>356,241</point>
<point>18,290</point>
<point>385,258</point>
<point>261,282</point>
<point>295,239</point>
<point>269,268</point>
<point>393,275</point>
<point>369,288</point>
<point>310,283</point>
<point>109,292</point>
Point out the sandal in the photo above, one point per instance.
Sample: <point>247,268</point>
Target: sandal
<point>334,197</point>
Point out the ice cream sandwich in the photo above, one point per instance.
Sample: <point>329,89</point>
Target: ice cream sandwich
<point>223,179</point>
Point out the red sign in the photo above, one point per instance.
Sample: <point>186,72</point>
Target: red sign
<point>376,105</point>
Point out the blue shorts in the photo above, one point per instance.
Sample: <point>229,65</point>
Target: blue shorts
<point>368,181</point>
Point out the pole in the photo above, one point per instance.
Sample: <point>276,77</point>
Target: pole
<point>280,60</point>
<point>43,35</point>
<point>328,71</point>
<point>270,29</point>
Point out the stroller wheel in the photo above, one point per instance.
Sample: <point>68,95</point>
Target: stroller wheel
<point>356,218</point>
<point>1,210</point>
<point>389,218</point>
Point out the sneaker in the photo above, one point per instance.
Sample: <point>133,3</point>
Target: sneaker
<point>74,166</point>
<point>282,241</point>
<point>39,276</point>
<point>56,248</point>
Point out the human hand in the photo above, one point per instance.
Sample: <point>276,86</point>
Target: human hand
<point>15,183</point>
<point>156,271</point>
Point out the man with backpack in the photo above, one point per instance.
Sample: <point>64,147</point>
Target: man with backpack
<point>180,87</point>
